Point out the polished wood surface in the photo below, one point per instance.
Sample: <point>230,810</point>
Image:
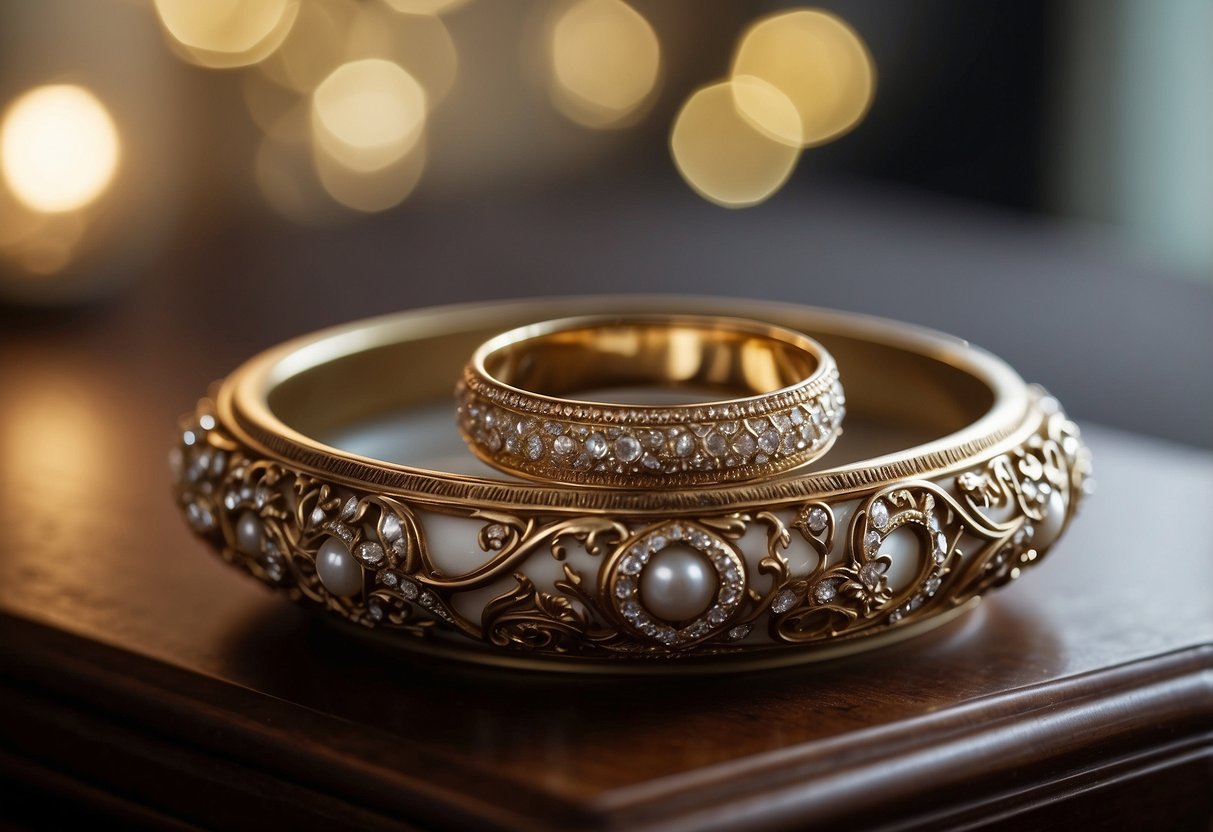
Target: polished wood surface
<point>141,679</point>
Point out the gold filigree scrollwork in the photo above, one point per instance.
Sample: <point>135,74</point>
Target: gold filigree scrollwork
<point>527,618</point>
<point>1034,490</point>
<point>273,522</point>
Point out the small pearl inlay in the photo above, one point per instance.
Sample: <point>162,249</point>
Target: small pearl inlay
<point>337,569</point>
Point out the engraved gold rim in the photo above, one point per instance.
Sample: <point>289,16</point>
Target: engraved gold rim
<point>242,402</point>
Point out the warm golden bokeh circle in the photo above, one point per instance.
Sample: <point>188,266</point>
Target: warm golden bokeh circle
<point>721,154</point>
<point>59,148</point>
<point>227,33</point>
<point>818,62</point>
<point>368,114</point>
<point>605,62</point>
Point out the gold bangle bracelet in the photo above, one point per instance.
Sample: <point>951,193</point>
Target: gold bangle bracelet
<point>305,469</point>
<point>515,414</point>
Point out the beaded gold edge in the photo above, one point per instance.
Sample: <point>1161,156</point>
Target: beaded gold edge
<point>804,572</point>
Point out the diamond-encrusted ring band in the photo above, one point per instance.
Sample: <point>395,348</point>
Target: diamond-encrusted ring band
<point>524,405</point>
<point>329,469</point>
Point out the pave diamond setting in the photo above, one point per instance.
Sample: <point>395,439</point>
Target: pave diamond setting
<point>623,445</point>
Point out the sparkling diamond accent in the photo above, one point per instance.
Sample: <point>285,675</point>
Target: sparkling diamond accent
<point>739,632</point>
<point>534,447</point>
<point>744,445</point>
<point>684,445</point>
<point>496,535</point>
<point>275,569</point>
<point>879,514</point>
<point>391,528</point>
<point>715,444</point>
<point>870,573</point>
<point>564,445</point>
<point>871,543</point>
<point>369,552</point>
<point>941,547</point>
<point>596,445</point>
<point>784,601</point>
<point>627,448</point>
<point>769,441</point>
<point>817,519</point>
<point>825,592</point>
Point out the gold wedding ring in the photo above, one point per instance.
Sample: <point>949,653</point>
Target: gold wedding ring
<point>572,400</point>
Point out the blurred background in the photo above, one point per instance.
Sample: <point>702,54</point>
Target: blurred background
<point>183,183</point>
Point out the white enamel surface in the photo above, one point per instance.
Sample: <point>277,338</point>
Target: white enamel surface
<point>904,546</point>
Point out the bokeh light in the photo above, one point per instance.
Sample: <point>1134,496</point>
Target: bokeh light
<point>373,191</point>
<point>315,47</point>
<point>605,63</point>
<point>59,148</point>
<point>818,62</point>
<point>721,154</point>
<point>368,114</point>
<point>420,44</point>
<point>425,7</point>
<point>227,33</point>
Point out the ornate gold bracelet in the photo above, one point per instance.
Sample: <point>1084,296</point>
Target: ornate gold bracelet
<point>953,476</point>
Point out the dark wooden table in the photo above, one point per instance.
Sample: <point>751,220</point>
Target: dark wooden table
<point>142,680</point>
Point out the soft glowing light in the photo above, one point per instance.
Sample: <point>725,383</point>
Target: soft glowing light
<point>818,62</point>
<point>422,45</point>
<point>605,62</point>
<point>367,114</point>
<point>375,191</point>
<point>227,33</point>
<point>316,45</point>
<point>329,33</point>
<point>721,154</point>
<point>58,148</point>
<point>430,7</point>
